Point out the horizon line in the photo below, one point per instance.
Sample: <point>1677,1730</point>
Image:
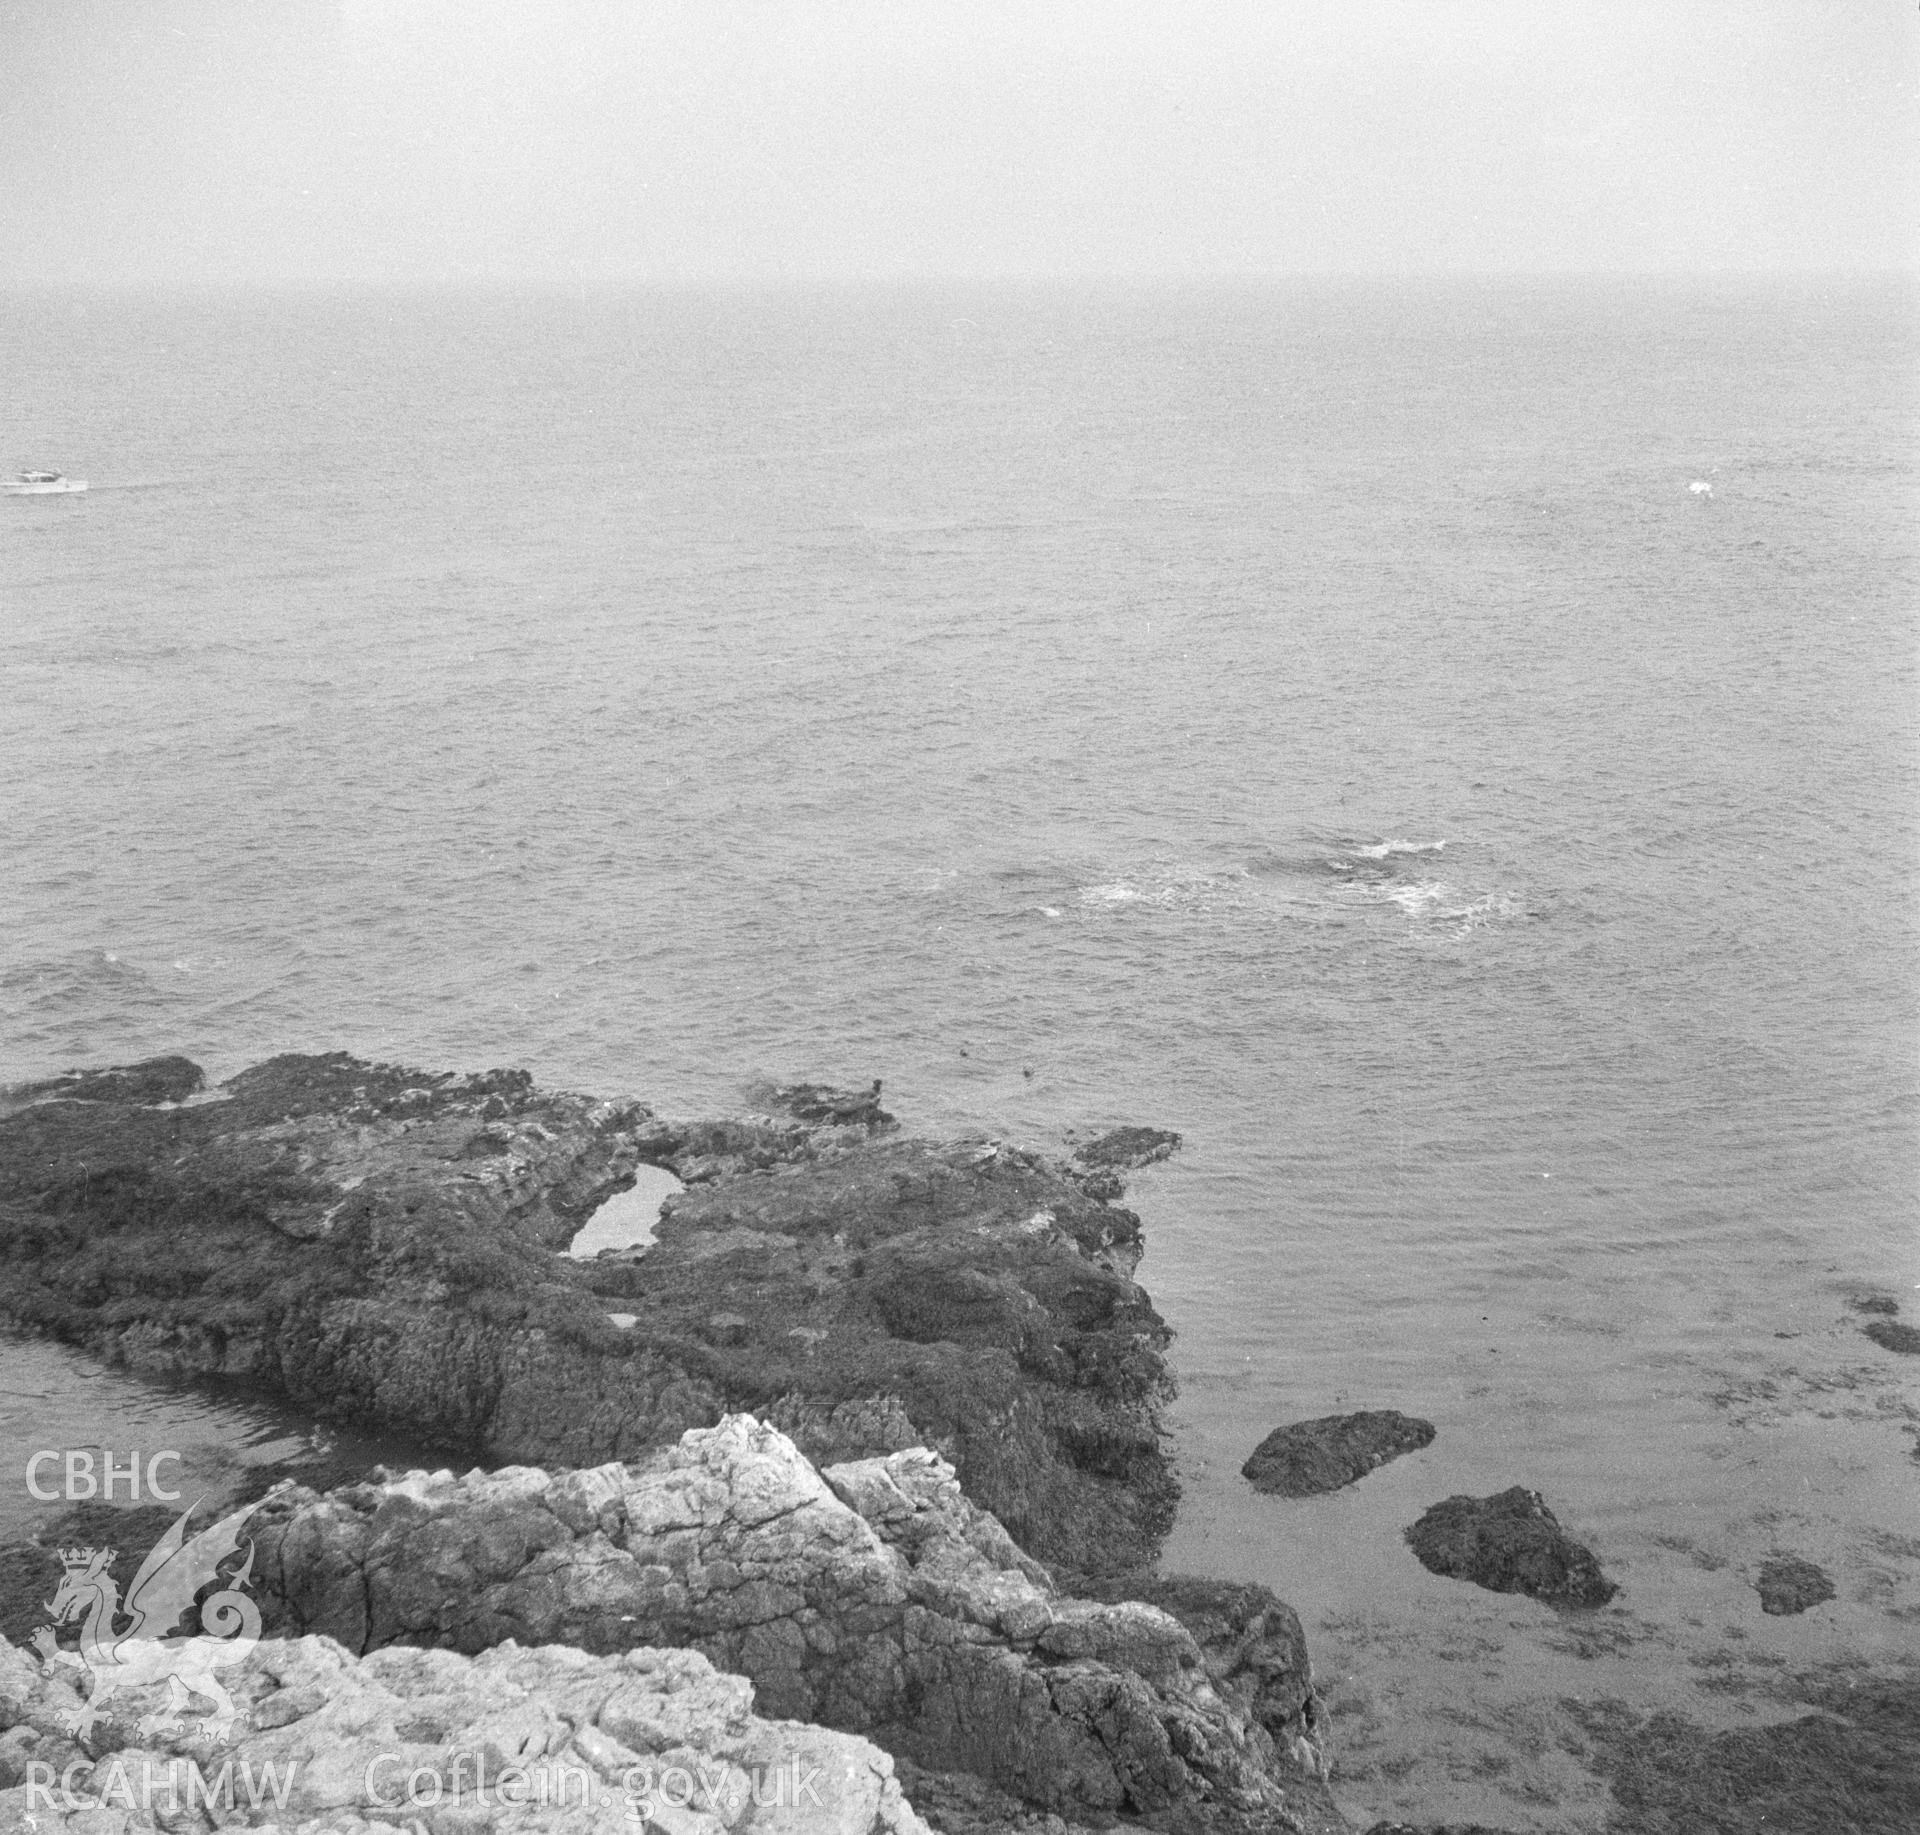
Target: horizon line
<point>736,283</point>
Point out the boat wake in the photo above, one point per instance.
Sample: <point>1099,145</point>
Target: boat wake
<point>41,484</point>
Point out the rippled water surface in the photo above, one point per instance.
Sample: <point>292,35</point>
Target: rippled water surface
<point>1322,721</point>
<point>54,1400</point>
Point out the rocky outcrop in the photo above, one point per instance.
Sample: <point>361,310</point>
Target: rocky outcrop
<point>873,1598</point>
<point>820,1102</point>
<point>1099,1162</point>
<point>150,1082</point>
<point>1123,1149</point>
<point>1254,1650</point>
<point>1310,1457</point>
<point>514,1740</point>
<point>385,1245</point>
<point>909,1316</point>
<point>1509,1543</point>
<point>1787,1585</point>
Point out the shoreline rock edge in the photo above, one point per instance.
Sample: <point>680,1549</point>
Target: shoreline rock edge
<point>933,1356</point>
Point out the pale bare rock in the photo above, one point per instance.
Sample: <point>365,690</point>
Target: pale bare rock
<point>599,1743</point>
<point>874,1598</point>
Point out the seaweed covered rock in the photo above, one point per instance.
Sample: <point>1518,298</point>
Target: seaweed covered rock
<point>1098,1163</point>
<point>1891,1335</point>
<point>1851,1764</point>
<point>1509,1543</point>
<point>1436,1828</point>
<point>1128,1149</point>
<point>968,1296</point>
<point>1310,1457</point>
<point>151,1081</point>
<point>384,1244</point>
<point>821,1102</point>
<point>1787,1585</point>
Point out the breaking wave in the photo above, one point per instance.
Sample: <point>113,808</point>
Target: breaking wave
<point>1154,885</point>
<point>1437,902</point>
<point>1385,850</point>
<point>1394,870</point>
<point>1348,860</point>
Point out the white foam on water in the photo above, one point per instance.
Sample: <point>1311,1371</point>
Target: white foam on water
<point>1437,901</point>
<point>1170,883</point>
<point>1386,849</point>
<point>1489,909</point>
<point>1423,896</point>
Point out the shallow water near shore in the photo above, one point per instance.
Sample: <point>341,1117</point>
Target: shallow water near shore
<point>223,1436</point>
<point>1320,720</point>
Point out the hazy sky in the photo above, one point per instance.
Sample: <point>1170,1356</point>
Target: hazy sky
<point>595,140</point>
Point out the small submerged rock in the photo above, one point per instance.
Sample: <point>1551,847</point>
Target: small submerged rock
<point>1310,1457</point>
<point>1509,1543</point>
<point>1875,1303</point>
<point>1128,1149</point>
<point>31,1569</point>
<point>1891,1335</point>
<point>821,1102</point>
<point>1436,1828</point>
<point>1788,1585</point>
<point>1853,1764</point>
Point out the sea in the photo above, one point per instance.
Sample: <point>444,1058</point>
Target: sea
<point>1447,748</point>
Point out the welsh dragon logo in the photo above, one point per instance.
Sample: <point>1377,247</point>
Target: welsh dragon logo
<point>149,1649</point>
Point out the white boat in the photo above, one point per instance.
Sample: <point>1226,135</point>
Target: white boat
<point>41,484</point>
